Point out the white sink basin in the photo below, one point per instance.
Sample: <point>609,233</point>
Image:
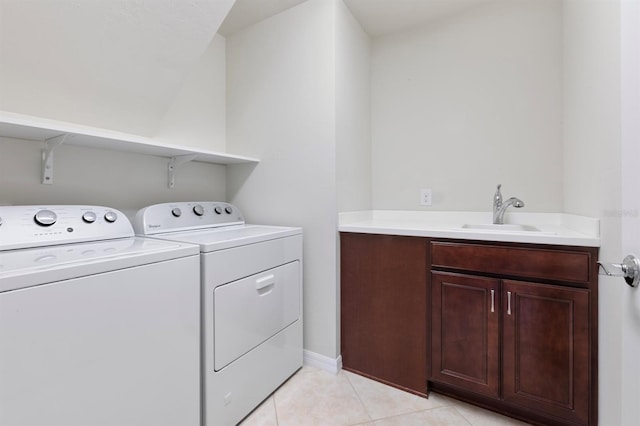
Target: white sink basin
<point>503,228</point>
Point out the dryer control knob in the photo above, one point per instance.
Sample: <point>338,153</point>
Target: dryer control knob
<point>110,216</point>
<point>0,221</point>
<point>198,210</point>
<point>218,210</point>
<point>89,217</point>
<point>228,209</point>
<point>45,218</point>
<point>176,212</point>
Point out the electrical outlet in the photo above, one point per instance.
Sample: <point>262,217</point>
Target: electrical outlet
<point>425,197</point>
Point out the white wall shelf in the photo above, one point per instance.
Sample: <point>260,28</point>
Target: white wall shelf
<point>19,126</point>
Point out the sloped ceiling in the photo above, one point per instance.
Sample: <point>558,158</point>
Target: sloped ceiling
<point>119,64</point>
<point>377,17</point>
<point>108,63</point>
<point>248,12</point>
<point>381,17</point>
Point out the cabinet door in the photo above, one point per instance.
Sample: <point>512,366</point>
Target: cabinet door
<point>546,349</point>
<point>383,308</point>
<point>465,343</point>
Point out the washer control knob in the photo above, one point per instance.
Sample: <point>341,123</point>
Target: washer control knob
<point>198,210</point>
<point>228,209</point>
<point>110,216</point>
<point>176,212</point>
<point>45,218</point>
<point>89,217</point>
<point>0,221</point>
<point>218,210</point>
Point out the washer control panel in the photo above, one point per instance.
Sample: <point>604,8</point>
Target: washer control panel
<point>37,226</point>
<point>181,216</point>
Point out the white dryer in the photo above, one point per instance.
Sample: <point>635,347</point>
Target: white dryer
<point>251,301</point>
<point>97,327</point>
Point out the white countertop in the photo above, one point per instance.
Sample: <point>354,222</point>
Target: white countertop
<point>554,228</point>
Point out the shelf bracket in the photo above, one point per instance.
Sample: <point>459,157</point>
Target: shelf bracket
<point>47,157</point>
<point>176,162</point>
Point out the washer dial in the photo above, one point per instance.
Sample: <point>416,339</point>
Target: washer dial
<point>198,210</point>
<point>45,218</point>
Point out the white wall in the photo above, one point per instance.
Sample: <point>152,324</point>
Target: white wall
<point>467,102</point>
<point>99,177</point>
<point>52,69</point>
<point>353,112</point>
<point>281,109</point>
<point>592,162</point>
<point>197,116</point>
<point>115,65</point>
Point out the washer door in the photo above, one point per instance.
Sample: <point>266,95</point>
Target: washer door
<point>249,311</point>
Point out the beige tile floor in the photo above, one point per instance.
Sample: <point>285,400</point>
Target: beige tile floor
<point>316,398</point>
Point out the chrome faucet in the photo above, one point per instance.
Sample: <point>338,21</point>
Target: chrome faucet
<point>499,208</point>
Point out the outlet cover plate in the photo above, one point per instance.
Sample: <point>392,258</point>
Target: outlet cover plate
<point>425,197</point>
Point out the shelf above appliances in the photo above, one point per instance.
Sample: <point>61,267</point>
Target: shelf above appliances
<point>54,133</point>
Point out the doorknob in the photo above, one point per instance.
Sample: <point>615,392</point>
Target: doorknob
<point>629,269</point>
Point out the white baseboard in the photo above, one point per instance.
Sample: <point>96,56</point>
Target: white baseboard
<point>331,365</point>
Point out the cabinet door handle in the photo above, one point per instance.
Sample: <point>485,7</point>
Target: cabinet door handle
<point>493,300</point>
<point>508,303</point>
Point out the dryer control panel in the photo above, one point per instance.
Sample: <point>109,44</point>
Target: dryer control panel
<point>182,216</point>
<point>43,225</point>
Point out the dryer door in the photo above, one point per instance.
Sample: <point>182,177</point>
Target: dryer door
<point>249,311</point>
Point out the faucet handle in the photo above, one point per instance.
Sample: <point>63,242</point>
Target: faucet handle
<point>497,197</point>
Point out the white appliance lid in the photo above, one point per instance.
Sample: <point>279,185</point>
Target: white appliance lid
<point>34,266</point>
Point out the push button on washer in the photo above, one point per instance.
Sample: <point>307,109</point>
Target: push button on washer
<point>110,216</point>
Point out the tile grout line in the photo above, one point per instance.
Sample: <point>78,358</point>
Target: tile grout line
<point>392,415</point>
<point>415,411</point>
<point>275,407</point>
<point>357,395</point>
<point>461,414</point>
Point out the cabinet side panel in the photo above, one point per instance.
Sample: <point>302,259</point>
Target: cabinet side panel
<point>383,308</point>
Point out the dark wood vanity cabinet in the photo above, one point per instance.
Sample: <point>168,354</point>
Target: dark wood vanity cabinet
<point>507,326</point>
<point>514,328</point>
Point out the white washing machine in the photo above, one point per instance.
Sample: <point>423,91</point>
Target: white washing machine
<point>251,301</point>
<point>97,327</point>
